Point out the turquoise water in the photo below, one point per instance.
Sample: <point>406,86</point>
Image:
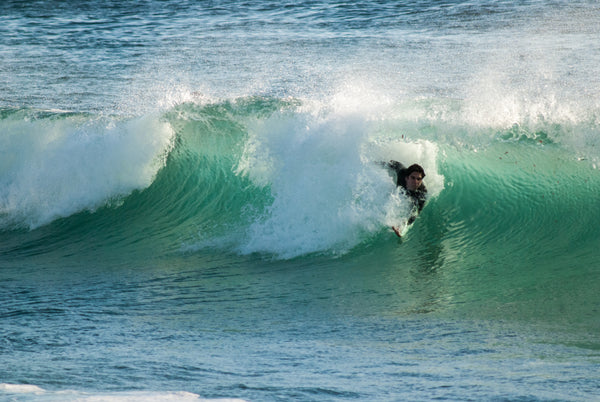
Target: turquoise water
<point>191,205</point>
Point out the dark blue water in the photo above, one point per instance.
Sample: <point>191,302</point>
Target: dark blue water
<point>192,205</point>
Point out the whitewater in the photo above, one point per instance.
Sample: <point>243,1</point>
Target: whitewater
<point>193,204</point>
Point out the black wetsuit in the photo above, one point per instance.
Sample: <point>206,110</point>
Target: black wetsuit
<point>417,197</point>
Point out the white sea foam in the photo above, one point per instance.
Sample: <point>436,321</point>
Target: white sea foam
<point>58,166</point>
<point>327,186</point>
<point>20,388</point>
<point>33,392</point>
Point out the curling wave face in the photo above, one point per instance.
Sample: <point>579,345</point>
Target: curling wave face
<point>286,178</point>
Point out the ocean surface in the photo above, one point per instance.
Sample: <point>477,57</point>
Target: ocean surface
<point>192,205</point>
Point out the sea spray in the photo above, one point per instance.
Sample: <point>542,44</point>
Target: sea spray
<point>62,163</point>
<point>329,189</point>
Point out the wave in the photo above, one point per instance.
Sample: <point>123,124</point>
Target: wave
<point>288,178</point>
<point>58,163</point>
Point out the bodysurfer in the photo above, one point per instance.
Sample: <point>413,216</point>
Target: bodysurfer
<point>411,180</point>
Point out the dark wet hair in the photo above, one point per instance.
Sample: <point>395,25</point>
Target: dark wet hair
<point>415,168</point>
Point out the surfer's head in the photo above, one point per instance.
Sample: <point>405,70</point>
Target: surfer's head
<point>414,177</point>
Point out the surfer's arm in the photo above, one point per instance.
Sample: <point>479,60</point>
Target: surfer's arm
<point>421,201</point>
<point>397,168</point>
<point>395,165</point>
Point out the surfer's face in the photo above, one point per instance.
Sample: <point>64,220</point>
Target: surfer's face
<point>413,181</point>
